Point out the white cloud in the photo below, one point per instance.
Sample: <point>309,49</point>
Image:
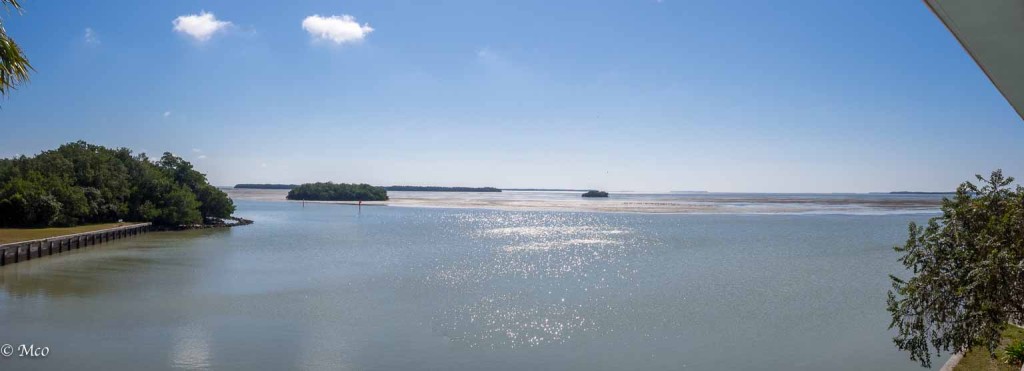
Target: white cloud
<point>338,29</point>
<point>200,26</point>
<point>197,150</point>
<point>201,157</point>
<point>167,113</point>
<point>486,54</point>
<point>90,36</point>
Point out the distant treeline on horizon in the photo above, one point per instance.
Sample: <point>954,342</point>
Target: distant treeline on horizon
<point>441,189</point>
<point>389,188</point>
<point>266,186</point>
<point>547,189</point>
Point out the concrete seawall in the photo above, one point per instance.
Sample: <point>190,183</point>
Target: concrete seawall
<point>27,250</point>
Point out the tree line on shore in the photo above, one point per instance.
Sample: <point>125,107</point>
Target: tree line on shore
<point>81,183</point>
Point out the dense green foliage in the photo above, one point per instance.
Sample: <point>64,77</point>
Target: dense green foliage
<point>441,189</point>
<point>968,272</point>
<point>1014,353</point>
<point>14,66</point>
<point>265,186</point>
<point>338,192</point>
<point>595,194</point>
<point>83,183</point>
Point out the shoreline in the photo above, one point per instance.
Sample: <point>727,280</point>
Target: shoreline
<point>688,212</point>
<point>683,210</point>
<point>29,249</point>
<point>641,204</point>
<point>219,223</point>
<point>20,251</point>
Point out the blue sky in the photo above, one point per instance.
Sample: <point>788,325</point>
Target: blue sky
<point>792,96</point>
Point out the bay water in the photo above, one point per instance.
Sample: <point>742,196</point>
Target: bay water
<point>329,287</point>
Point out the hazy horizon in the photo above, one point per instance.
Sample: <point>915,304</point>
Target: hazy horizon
<point>798,97</point>
<point>567,189</point>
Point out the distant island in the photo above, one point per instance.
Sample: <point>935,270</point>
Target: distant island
<point>265,186</point>
<point>440,189</point>
<point>595,194</point>
<point>337,192</point>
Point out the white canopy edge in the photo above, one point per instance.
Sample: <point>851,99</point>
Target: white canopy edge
<point>992,33</point>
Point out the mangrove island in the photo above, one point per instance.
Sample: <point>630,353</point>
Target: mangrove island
<point>337,192</point>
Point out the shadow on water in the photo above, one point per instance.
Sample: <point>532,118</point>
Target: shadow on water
<point>98,269</point>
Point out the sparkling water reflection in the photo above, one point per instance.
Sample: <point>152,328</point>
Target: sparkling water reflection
<point>327,287</point>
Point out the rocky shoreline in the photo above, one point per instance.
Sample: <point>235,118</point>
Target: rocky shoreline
<point>210,223</point>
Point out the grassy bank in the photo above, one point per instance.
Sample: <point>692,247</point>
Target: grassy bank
<point>8,235</point>
<point>980,359</point>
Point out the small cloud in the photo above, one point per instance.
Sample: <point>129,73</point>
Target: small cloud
<point>90,37</point>
<point>200,26</point>
<point>338,29</point>
<point>197,150</point>
<point>201,157</point>
<point>486,53</point>
<point>167,113</point>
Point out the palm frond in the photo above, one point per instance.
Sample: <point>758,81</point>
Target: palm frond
<point>11,4</point>
<point>14,66</point>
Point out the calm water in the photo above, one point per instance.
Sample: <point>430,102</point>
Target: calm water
<point>325,287</point>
